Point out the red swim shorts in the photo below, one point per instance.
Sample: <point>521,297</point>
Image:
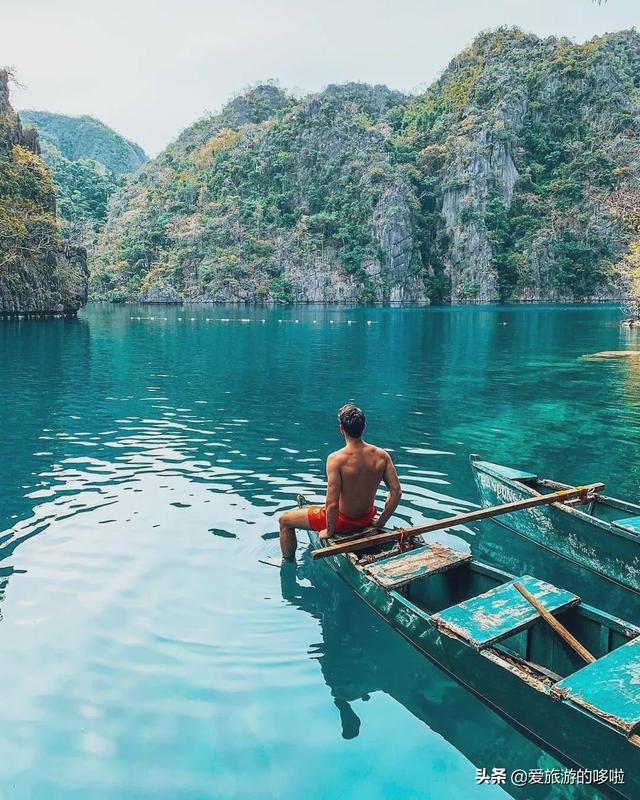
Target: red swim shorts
<point>344,524</point>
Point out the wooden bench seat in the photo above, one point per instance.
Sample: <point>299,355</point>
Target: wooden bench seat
<point>502,611</point>
<point>609,688</point>
<point>398,570</point>
<point>631,524</point>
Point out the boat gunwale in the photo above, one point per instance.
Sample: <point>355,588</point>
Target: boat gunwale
<point>603,499</point>
<point>567,509</point>
<point>616,502</point>
<point>558,554</point>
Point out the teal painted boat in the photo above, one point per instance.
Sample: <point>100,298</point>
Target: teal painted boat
<point>470,619</point>
<point>349,635</point>
<point>495,545</point>
<point>603,536</point>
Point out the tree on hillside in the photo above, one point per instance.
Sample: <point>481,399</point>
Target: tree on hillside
<point>625,203</point>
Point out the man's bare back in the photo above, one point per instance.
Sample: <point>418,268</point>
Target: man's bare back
<point>354,474</point>
<point>357,471</point>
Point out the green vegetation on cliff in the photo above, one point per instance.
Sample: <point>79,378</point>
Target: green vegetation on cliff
<point>492,185</point>
<point>272,198</point>
<point>87,160</point>
<point>83,187</point>
<point>39,273</point>
<point>521,140</point>
<point>86,138</point>
<point>625,204</point>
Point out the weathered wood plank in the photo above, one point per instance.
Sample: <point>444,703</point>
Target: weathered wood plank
<point>502,611</point>
<point>609,688</point>
<point>398,570</point>
<point>631,524</point>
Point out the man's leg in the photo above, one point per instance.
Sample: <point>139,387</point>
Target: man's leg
<point>289,521</point>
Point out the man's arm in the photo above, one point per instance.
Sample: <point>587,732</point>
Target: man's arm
<point>334,486</point>
<point>390,478</point>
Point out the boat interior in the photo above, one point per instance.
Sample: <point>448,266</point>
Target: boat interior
<point>483,607</point>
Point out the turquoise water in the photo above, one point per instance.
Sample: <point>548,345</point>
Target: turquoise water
<point>146,653</point>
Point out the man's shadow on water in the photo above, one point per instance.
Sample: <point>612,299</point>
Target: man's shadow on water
<point>360,654</point>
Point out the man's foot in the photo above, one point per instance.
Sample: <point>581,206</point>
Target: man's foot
<point>278,561</point>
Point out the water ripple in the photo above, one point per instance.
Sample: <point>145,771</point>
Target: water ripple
<point>147,651</point>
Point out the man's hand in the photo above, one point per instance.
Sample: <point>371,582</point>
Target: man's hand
<point>323,534</point>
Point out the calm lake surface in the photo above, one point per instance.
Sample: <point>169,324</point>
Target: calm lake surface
<point>146,653</point>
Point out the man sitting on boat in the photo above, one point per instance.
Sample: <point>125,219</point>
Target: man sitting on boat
<point>354,474</point>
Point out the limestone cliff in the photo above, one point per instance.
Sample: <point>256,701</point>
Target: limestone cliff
<point>272,199</point>
<point>518,147</point>
<point>39,272</point>
<point>493,185</point>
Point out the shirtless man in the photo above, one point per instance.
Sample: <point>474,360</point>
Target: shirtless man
<point>354,474</point>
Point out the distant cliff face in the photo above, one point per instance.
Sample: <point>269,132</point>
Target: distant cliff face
<point>272,199</point>
<point>491,186</point>
<point>517,149</point>
<point>39,272</point>
<point>86,138</point>
<point>88,162</point>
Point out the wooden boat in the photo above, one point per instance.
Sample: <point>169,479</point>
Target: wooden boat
<point>603,536</point>
<point>348,636</point>
<point>470,619</point>
<point>501,548</point>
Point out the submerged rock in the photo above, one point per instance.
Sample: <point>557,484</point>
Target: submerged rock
<point>612,354</point>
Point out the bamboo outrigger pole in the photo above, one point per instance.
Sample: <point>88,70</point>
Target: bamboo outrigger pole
<point>583,494</point>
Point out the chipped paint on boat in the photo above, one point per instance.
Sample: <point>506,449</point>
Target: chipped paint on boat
<point>507,684</point>
<point>591,542</point>
<point>607,687</point>
<point>504,610</point>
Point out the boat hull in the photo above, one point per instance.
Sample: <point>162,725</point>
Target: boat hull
<point>505,549</point>
<point>561,727</point>
<point>587,541</point>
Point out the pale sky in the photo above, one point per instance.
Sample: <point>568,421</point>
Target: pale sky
<point>149,68</point>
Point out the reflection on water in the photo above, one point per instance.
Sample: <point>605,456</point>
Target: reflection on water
<point>360,655</point>
<point>146,455</point>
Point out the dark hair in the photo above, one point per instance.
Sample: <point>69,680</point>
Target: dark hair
<point>352,420</point>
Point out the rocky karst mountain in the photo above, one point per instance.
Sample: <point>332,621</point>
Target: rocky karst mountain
<point>88,162</point>
<point>492,185</point>
<point>518,148</point>
<point>40,273</point>
<point>86,138</point>
<point>270,199</point>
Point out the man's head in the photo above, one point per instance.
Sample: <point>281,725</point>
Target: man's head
<point>352,420</point>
